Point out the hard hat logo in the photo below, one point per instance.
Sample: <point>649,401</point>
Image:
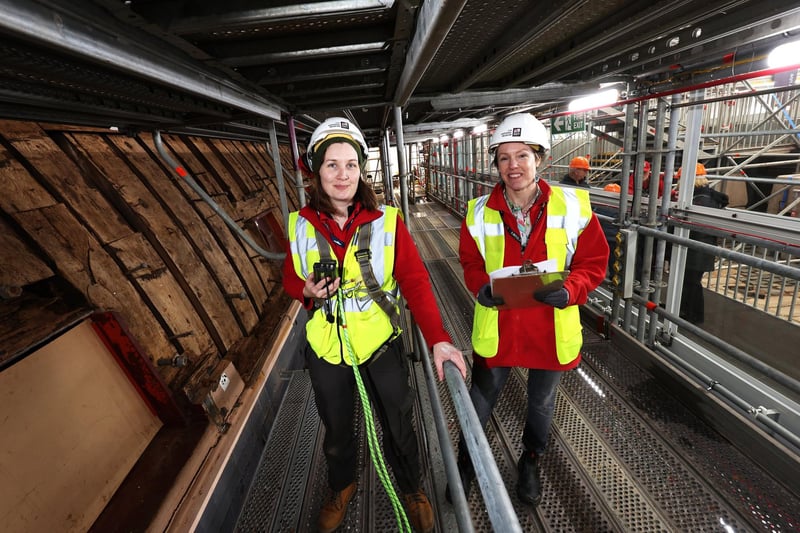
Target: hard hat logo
<point>516,132</point>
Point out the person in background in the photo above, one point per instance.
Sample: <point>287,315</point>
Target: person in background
<point>610,229</point>
<point>646,182</point>
<point>525,219</point>
<point>646,171</point>
<point>697,262</point>
<point>578,170</point>
<point>353,319</point>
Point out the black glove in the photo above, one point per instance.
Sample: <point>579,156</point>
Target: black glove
<point>486,299</point>
<point>555,297</point>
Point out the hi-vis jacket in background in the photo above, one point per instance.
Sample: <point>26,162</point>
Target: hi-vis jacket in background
<point>367,325</point>
<point>540,336</point>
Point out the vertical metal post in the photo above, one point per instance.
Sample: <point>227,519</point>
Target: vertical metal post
<point>627,143</point>
<point>638,182</point>
<point>652,269</point>
<point>388,186</point>
<point>298,176</point>
<point>401,160</point>
<point>276,159</point>
<point>474,145</point>
<point>638,171</point>
<point>691,147</point>
<point>669,167</point>
<point>413,163</point>
<point>483,163</point>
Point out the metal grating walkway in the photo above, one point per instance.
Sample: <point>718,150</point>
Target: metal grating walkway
<point>625,455</point>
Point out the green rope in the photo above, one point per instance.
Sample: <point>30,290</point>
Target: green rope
<point>372,436</point>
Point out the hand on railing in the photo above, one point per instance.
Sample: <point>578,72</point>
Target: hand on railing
<point>444,351</point>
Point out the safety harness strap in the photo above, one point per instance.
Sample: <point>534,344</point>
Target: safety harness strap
<point>363,256</point>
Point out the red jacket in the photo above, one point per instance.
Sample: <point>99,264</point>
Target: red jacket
<point>410,273</point>
<point>527,335</point>
<point>646,187</point>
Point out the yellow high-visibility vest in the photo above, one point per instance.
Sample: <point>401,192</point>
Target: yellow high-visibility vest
<point>368,326</point>
<point>568,213</point>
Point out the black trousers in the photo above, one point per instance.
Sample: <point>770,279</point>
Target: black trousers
<point>692,304</point>
<point>392,400</point>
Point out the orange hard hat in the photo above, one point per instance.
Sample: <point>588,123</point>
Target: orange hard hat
<point>579,162</point>
<point>699,170</point>
<point>612,187</point>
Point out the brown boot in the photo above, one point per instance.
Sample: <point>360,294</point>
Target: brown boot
<point>420,512</point>
<point>333,512</point>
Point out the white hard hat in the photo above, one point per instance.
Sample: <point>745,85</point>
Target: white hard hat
<point>521,128</point>
<point>337,127</point>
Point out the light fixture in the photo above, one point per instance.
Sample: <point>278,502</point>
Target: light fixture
<point>443,138</point>
<point>458,134</point>
<point>480,128</point>
<point>599,99</point>
<point>784,55</point>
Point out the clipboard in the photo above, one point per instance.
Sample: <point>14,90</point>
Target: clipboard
<point>517,288</point>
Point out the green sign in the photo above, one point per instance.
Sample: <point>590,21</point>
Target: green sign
<point>567,124</point>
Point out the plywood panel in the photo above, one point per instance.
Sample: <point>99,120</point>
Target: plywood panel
<point>73,426</point>
<point>784,194</point>
<point>737,193</point>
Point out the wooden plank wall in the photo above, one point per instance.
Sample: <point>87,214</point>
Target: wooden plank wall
<point>101,211</point>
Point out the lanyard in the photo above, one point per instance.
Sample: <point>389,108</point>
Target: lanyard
<point>516,234</point>
<point>334,239</point>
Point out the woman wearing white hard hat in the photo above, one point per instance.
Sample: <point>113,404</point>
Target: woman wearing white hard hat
<point>524,220</point>
<point>354,322</point>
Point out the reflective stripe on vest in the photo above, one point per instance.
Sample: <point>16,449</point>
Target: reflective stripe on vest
<point>568,213</point>
<point>368,325</point>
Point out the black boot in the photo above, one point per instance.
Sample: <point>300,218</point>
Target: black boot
<point>528,484</point>
<point>467,474</point>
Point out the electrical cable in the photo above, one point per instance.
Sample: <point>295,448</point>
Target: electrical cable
<point>372,436</point>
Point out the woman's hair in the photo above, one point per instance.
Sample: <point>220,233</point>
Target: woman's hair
<point>320,201</point>
<point>700,181</point>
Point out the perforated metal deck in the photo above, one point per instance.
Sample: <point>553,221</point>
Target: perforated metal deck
<point>624,454</point>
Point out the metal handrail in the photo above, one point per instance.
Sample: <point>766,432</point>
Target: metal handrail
<point>740,355</point>
<point>498,503</point>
